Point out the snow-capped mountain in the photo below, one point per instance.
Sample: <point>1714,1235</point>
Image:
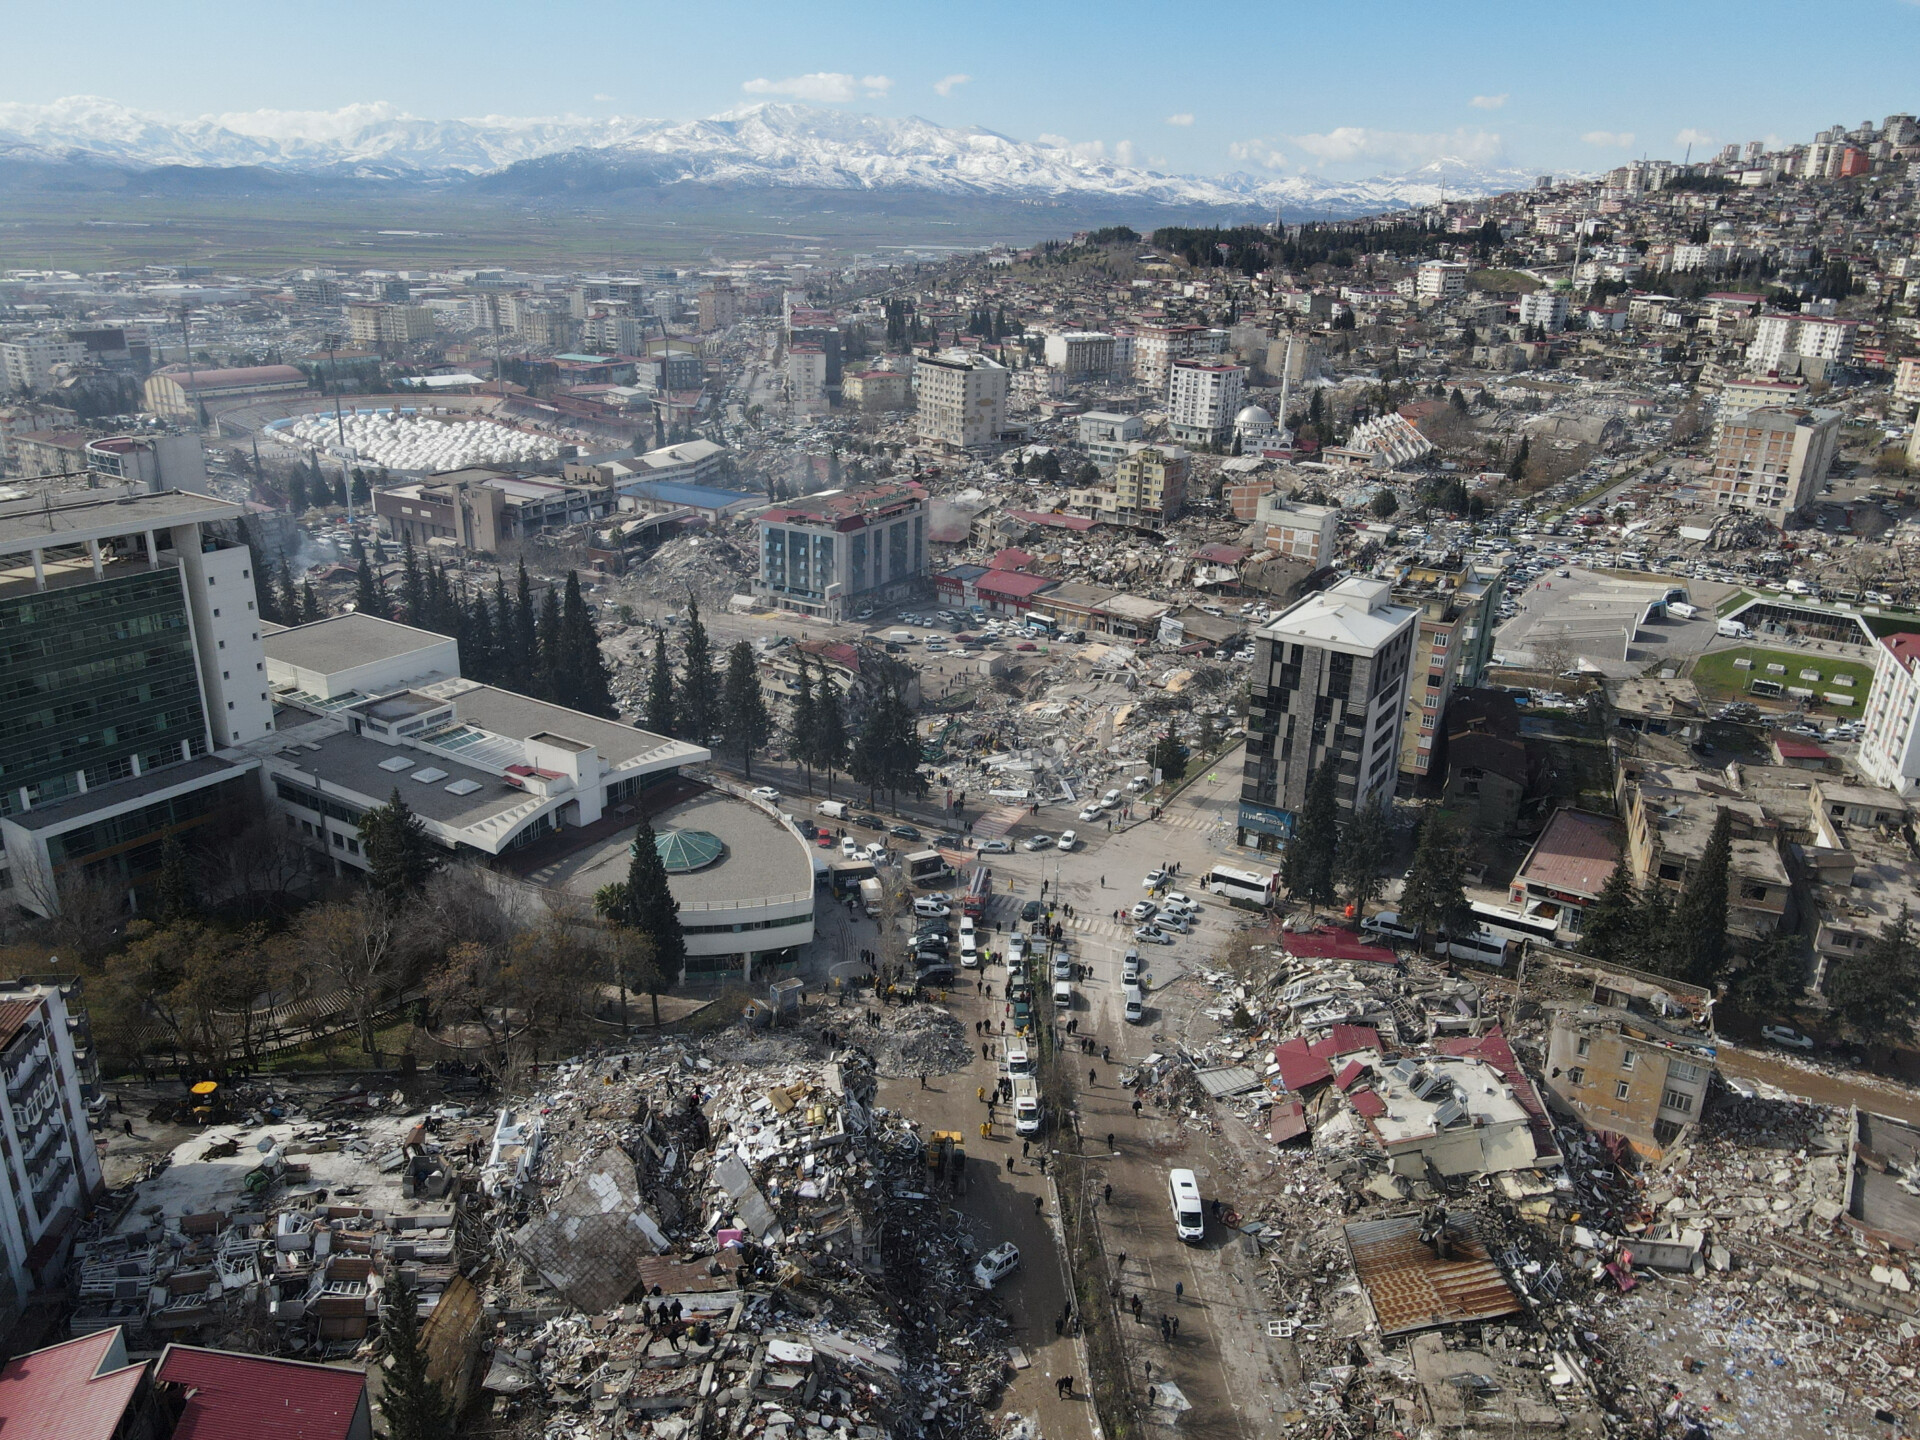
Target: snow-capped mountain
<point>788,146</point>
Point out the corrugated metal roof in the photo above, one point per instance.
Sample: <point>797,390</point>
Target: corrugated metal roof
<point>252,1397</point>
<point>61,1392</point>
<point>1226,1080</point>
<point>1412,1289</point>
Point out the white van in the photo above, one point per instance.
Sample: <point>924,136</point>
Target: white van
<point>1189,1215</point>
<point>1136,1004</point>
<point>1733,630</point>
<point>1481,946</point>
<point>1387,925</point>
<point>1063,995</point>
<point>1018,1061</point>
<point>1026,1106</point>
<point>832,809</point>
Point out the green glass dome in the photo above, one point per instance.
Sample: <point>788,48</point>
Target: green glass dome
<point>682,851</point>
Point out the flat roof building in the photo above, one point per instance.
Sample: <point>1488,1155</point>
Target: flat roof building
<point>840,551</point>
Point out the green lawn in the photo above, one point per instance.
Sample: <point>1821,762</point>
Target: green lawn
<point>1719,678</point>
<point>1502,280</point>
<point>1732,603</point>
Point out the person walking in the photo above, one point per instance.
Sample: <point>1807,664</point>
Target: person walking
<point>1179,1290</point>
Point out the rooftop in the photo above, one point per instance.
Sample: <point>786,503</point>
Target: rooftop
<point>345,641</point>
<point>70,517</point>
<point>257,1397</point>
<point>76,1391</point>
<point>520,717</point>
<point>845,507</point>
<point>1574,855</point>
<point>1356,613</point>
<point>761,857</point>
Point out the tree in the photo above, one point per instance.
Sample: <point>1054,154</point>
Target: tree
<point>289,602</point>
<point>744,720</point>
<point>699,686</point>
<point>1307,867</point>
<point>1653,947</point>
<point>413,1406</point>
<point>1772,979</point>
<point>413,584</point>
<point>1169,756</point>
<point>829,744</point>
<point>176,898</point>
<point>193,984</point>
<point>479,650</point>
<point>1700,919</point>
<point>636,967</point>
<point>803,716</point>
<point>660,714</point>
<point>309,603</point>
<point>1365,848</point>
<point>649,907</point>
<point>1875,992</point>
<point>367,599</point>
<point>356,946</point>
<point>523,658</point>
<point>1610,925</point>
<point>586,667</point>
<point>1434,897</point>
<point>1385,503</point>
<point>400,857</point>
<point>553,675</point>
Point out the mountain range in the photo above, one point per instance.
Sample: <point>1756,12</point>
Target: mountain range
<point>794,147</point>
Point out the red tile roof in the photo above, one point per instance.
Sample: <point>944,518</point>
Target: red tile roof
<point>1013,584</point>
<point>1221,554</point>
<point>1368,1104</point>
<point>253,1397</point>
<point>1493,1049</point>
<point>1049,518</point>
<point>14,1017</point>
<point>1300,1068</point>
<point>1789,747</point>
<point>1905,646</point>
<point>59,1393</point>
<point>1011,558</point>
<point>1574,855</point>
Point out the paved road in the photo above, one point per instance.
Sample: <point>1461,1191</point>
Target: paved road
<point>1234,1377</point>
<point>1827,1089</point>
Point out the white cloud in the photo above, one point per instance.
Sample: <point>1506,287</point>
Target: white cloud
<point>1087,150</point>
<point>1123,152</point>
<point>604,99</point>
<point>1355,144</point>
<point>947,84</point>
<point>1609,139</point>
<point>1488,102</point>
<point>823,86</point>
<point>1185,117</point>
<point>1691,136</point>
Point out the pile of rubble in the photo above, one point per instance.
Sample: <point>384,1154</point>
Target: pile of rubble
<point>706,1247</point>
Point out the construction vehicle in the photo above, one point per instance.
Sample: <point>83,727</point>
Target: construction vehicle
<point>979,888</point>
<point>947,1159</point>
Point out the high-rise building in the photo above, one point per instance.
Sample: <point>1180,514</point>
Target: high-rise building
<point>1772,460</point>
<point>840,551</point>
<point>28,362</point>
<point>1546,309</point>
<point>1329,687</point>
<point>133,656</point>
<point>379,323</point>
<point>719,306</point>
<point>1454,641</point>
<point>1437,280</point>
<point>50,1165</point>
<point>1202,399</point>
<point>1297,530</point>
<point>1782,344</point>
<point>807,379</point>
<point>961,397</point>
<point>1890,737</point>
<point>1105,436</point>
<point>1081,354</point>
<point>1156,347</point>
<point>1150,484</point>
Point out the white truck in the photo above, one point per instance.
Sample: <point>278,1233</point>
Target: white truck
<point>831,809</point>
<point>870,897</point>
<point>1733,630</point>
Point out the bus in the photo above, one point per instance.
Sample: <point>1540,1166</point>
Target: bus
<point>1256,887</point>
<point>1511,924</point>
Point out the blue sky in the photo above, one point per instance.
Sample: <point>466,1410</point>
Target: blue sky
<point>1340,89</point>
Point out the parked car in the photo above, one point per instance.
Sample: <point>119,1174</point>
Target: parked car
<point>1037,842</point>
<point>994,1266</point>
<point>1174,922</point>
<point>1030,912</point>
<point>1144,910</point>
<point>902,832</point>
<point>850,848</point>
<point>931,907</point>
<point>995,847</point>
<point>1068,840</point>
<point>824,840</point>
<point>1180,898</point>
<point>766,793</point>
<point>1152,935</point>
<point>1153,878</point>
<point>869,822</point>
<point>1090,814</point>
<point>1788,1036</point>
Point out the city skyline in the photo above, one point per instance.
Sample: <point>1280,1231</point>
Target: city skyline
<point>1336,95</point>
